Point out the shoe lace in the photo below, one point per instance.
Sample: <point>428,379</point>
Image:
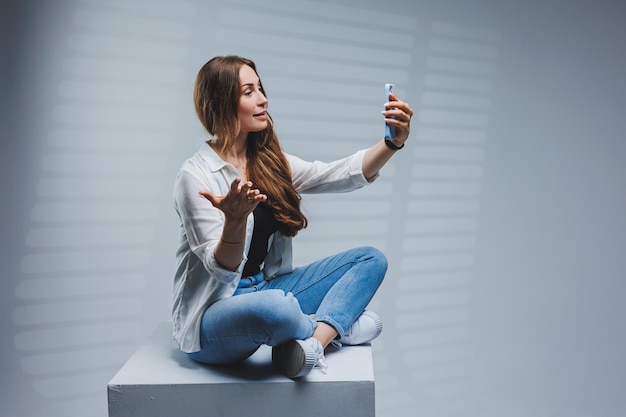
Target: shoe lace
<point>320,359</point>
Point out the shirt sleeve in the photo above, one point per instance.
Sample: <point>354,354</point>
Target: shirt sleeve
<point>339,176</point>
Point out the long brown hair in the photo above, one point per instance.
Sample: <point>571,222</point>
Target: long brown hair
<point>216,97</point>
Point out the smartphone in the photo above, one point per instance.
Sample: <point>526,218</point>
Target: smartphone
<point>390,131</point>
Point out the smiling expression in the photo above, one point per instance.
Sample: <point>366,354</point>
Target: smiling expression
<point>252,108</point>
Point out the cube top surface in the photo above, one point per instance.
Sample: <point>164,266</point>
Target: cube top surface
<point>160,362</point>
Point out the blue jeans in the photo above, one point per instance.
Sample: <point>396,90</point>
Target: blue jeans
<point>334,290</point>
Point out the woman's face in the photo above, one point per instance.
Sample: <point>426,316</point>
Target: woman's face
<point>252,109</point>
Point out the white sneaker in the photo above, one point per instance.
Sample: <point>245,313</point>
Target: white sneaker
<point>297,357</point>
<point>365,329</point>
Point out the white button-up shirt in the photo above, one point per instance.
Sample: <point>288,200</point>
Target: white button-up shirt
<point>199,280</point>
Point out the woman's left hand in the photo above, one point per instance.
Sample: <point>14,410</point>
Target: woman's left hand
<point>398,113</point>
<point>378,155</point>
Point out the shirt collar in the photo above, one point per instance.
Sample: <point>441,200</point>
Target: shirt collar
<point>211,157</point>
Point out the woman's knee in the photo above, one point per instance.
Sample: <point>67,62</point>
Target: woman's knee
<point>375,258</point>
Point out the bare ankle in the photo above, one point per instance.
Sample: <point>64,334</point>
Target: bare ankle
<point>325,333</point>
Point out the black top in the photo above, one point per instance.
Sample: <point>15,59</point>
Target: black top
<point>264,226</point>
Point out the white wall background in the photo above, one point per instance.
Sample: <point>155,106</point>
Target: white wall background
<point>503,218</point>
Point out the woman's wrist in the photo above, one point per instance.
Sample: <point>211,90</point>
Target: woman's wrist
<point>394,144</point>
<point>234,232</point>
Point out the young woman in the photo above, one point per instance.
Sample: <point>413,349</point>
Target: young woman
<point>238,200</point>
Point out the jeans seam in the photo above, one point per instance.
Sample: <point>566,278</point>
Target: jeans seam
<point>333,304</point>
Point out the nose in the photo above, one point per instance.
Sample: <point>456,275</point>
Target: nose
<point>262,99</point>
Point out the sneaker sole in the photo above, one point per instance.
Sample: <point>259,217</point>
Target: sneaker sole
<point>378,324</point>
<point>293,359</point>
